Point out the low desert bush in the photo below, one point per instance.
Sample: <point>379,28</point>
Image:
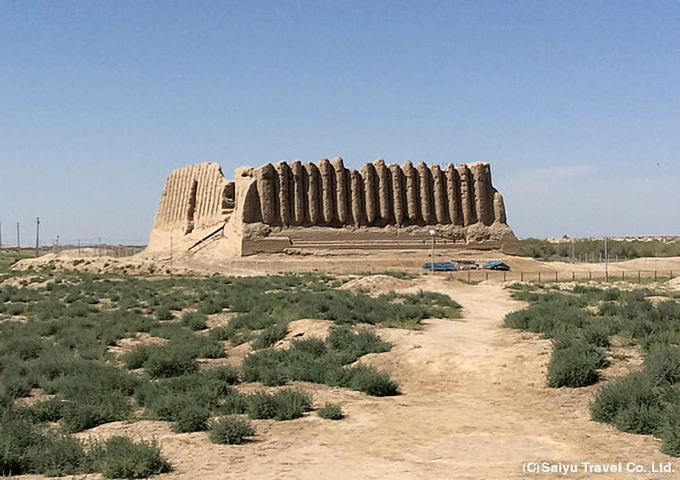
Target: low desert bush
<point>330,411</point>
<point>191,418</point>
<point>195,321</point>
<point>165,362</point>
<point>231,431</point>
<point>136,357</point>
<point>282,405</point>
<point>270,335</point>
<point>574,364</point>
<point>125,458</point>
<point>631,404</point>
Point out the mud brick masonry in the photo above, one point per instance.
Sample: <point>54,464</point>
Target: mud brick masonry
<point>295,207</point>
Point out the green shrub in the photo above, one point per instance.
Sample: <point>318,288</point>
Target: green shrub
<point>60,454</point>
<point>195,321</point>
<point>354,345</point>
<point>271,335</point>
<point>368,380</point>
<point>127,459</point>
<point>330,411</point>
<point>314,346</point>
<point>167,362</point>
<point>164,313</point>
<point>291,404</point>
<point>261,406</point>
<point>17,438</point>
<point>191,419</point>
<point>283,405</point>
<point>662,365</point>
<point>231,431</point>
<point>630,403</point>
<point>136,357</point>
<point>168,407</point>
<point>574,365</point>
<point>47,410</point>
<point>94,410</point>
<point>233,404</point>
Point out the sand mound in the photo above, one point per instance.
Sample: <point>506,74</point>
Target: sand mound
<point>377,284</point>
<point>304,330</point>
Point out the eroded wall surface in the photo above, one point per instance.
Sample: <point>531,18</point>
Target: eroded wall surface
<point>276,205</point>
<point>328,194</point>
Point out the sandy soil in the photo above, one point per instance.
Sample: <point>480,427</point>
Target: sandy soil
<point>474,406</point>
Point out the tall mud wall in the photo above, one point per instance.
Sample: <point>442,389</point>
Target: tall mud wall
<point>195,198</point>
<point>279,204</point>
<point>377,195</point>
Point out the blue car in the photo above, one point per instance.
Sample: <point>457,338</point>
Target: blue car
<point>497,265</point>
<point>440,266</point>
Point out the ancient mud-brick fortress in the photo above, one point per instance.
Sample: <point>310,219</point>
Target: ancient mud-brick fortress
<point>289,207</point>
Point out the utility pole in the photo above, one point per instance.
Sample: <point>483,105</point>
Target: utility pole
<point>37,236</point>
<point>573,252</point>
<point>606,261</point>
<point>18,240</point>
<point>0,235</point>
<point>432,234</point>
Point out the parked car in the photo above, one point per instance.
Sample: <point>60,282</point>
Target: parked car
<point>440,266</point>
<point>466,265</point>
<point>497,265</point>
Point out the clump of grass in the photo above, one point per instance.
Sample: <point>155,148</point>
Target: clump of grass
<point>195,321</point>
<point>574,364</point>
<point>631,404</point>
<point>271,335</point>
<point>125,458</point>
<point>366,379</point>
<point>231,431</point>
<point>283,405</point>
<point>167,362</point>
<point>330,411</point>
<point>136,357</point>
<point>191,418</point>
<point>163,312</point>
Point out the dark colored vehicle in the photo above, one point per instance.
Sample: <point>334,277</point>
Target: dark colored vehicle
<point>440,266</point>
<point>497,265</point>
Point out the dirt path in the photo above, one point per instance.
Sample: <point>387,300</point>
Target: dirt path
<point>474,406</point>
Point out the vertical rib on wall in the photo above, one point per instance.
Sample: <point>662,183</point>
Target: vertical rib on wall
<point>197,188</point>
<point>377,195</point>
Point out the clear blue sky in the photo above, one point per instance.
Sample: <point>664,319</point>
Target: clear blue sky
<point>576,104</point>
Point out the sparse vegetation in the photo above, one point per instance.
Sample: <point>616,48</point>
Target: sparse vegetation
<point>645,402</point>
<point>231,431</point>
<point>61,338</point>
<point>330,411</point>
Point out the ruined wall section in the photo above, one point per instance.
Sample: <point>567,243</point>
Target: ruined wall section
<point>377,195</point>
<point>195,198</point>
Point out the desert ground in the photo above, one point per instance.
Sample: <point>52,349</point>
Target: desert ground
<point>474,402</point>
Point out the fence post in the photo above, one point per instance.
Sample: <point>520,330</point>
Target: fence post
<point>573,275</point>
<point>468,276</point>
<point>639,277</point>
<point>487,275</point>
<point>556,276</point>
<point>590,275</point>
<point>521,276</point>
<point>623,275</point>
<point>539,276</point>
<point>655,275</point>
